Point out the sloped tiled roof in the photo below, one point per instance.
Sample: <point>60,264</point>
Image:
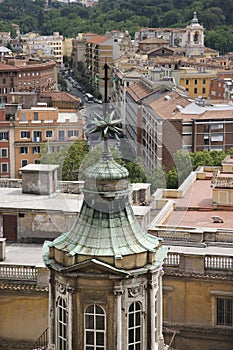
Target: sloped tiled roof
<point>97,39</point>
<point>166,106</point>
<point>138,91</point>
<point>174,106</point>
<point>59,96</point>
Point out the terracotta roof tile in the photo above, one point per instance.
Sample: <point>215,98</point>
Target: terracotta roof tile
<point>97,39</point>
<point>138,91</point>
<point>166,106</point>
<point>59,96</point>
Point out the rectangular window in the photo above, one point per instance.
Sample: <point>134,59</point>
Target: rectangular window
<point>195,90</point>
<point>72,133</point>
<point>195,81</point>
<point>37,136</point>
<point>61,135</point>
<point>23,116</point>
<point>186,81</point>
<point>23,150</point>
<point>35,115</point>
<point>4,167</point>
<point>224,312</point>
<point>4,153</point>
<point>3,135</point>
<point>36,149</point>
<point>24,162</point>
<point>49,133</point>
<point>204,81</point>
<point>36,161</point>
<point>51,149</point>
<point>203,90</point>
<point>24,134</point>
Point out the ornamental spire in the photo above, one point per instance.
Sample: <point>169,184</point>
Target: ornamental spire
<point>106,126</point>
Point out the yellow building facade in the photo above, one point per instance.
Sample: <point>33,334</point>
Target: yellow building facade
<point>196,83</point>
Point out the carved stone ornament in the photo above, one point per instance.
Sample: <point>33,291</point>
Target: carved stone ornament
<point>134,292</point>
<point>61,288</point>
<point>118,291</point>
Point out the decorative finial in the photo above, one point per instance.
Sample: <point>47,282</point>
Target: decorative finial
<point>106,126</point>
<point>195,20</point>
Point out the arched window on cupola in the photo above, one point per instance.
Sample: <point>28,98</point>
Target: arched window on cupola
<point>61,324</point>
<point>94,328</point>
<point>135,326</point>
<point>196,38</point>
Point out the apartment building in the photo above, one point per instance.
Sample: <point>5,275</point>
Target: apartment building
<point>5,149</point>
<point>196,83</point>
<point>221,87</point>
<point>100,50</point>
<point>50,46</point>
<point>40,127</point>
<point>23,76</point>
<point>95,51</point>
<point>157,125</point>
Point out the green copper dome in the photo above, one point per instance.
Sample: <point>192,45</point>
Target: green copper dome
<point>106,228</point>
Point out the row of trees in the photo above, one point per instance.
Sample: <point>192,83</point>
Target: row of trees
<point>74,159</point>
<point>72,18</point>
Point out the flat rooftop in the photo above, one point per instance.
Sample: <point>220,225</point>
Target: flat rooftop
<point>23,254</point>
<point>195,209</point>
<point>15,199</point>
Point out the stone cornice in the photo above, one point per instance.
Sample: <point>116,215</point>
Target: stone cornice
<point>198,275</point>
<point>201,330</point>
<point>13,287</point>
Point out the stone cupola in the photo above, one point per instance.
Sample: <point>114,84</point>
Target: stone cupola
<point>106,266</point>
<point>194,38</point>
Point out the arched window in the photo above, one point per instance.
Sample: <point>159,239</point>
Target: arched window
<point>94,328</point>
<point>62,324</point>
<point>135,326</point>
<point>196,38</point>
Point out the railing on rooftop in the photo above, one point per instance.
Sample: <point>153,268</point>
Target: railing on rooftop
<point>17,272</point>
<point>219,262</point>
<point>210,263</point>
<point>226,182</point>
<point>173,259</point>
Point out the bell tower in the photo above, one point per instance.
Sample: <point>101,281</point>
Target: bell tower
<point>194,38</point>
<point>106,272</point>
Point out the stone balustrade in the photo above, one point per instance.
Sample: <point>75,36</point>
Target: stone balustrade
<point>24,274</point>
<point>200,264</point>
<point>17,272</point>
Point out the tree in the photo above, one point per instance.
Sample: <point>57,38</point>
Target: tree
<point>157,178</point>
<point>172,178</point>
<point>69,159</point>
<point>183,165</point>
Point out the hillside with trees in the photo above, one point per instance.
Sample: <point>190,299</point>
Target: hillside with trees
<point>71,19</point>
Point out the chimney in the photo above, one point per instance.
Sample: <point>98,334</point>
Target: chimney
<point>39,179</point>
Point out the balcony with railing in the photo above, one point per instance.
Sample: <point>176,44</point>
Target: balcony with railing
<point>199,264</point>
